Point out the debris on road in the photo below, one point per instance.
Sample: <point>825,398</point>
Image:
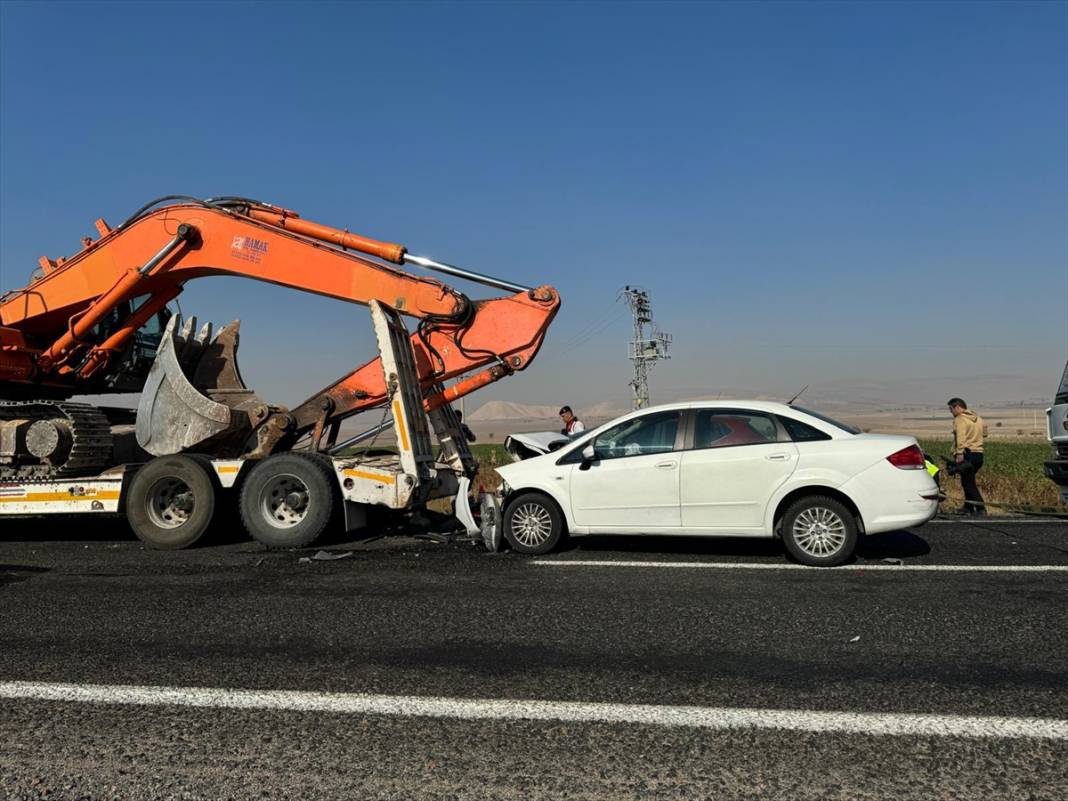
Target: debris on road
<point>325,556</point>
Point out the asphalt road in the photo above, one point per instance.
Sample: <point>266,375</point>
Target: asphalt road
<point>401,617</point>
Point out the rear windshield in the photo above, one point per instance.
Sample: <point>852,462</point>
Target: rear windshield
<point>844,426</point>
<point>802,432</point>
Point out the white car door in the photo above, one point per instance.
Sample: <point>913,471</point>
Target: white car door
<point>633,481</point>
<point>734,465</point>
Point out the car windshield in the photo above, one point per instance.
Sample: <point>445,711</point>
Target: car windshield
<point>844,426</point>
<point>1062,393</point>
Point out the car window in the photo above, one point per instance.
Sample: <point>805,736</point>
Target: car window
<point>724,428</point>
<point>802,432</point>
<point>837,424</point>
<point>652,433</point>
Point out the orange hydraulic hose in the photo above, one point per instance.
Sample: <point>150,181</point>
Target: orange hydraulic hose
<point>124,289</point>
<point>465,387</point>
<point>383,250</point>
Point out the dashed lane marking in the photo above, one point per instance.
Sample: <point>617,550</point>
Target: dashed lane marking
<point>873,723</point>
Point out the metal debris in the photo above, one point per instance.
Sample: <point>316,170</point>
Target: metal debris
<point>330,556</point>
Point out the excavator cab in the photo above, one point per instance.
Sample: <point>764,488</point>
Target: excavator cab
<point>132,367</point>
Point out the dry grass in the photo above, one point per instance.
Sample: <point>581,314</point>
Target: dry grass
<point>1012,478</point>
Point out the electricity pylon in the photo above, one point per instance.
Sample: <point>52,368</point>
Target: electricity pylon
<point>649,345</point>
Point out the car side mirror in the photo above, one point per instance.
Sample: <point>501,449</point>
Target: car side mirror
<point>589,455</point>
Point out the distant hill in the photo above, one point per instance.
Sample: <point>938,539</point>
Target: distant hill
<point>506,410</point>
<point>604,409</point>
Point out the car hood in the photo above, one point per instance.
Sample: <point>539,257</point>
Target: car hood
<point>524,468</point>
<point>527,446</point>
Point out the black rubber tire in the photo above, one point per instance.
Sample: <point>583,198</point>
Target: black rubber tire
<point>200,481</point>
<point>844,552</point>
<point>316,473</point>
<point>558,527</point>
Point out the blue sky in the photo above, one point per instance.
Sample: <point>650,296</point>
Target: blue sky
<point>861,196</point>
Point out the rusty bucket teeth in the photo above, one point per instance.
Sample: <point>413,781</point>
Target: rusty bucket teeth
<point>194,398</point>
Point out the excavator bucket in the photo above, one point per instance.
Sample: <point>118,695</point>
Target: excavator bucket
<point>194,397</point>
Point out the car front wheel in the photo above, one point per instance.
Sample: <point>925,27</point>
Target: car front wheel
<point>819,531</point>
<point>533,524</point>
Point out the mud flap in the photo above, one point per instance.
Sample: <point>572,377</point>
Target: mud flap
<point>194,396</point>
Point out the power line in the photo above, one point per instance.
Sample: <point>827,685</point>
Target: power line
<point>588,329</point>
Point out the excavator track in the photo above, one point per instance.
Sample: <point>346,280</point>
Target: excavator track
<point>91,440</point>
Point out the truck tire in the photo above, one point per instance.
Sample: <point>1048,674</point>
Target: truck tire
<point>288,500</point>
<point>171,501</point>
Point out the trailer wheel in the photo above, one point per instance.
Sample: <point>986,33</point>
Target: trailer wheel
<point>288,500</point>
<point>171,501</point>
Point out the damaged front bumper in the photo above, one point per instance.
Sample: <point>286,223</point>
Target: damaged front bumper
<point>487,524</point>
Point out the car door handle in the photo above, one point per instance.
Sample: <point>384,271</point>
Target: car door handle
<point>667,465</point>
<point>777,457</point>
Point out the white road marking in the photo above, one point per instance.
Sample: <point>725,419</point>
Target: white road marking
<point>875,723</point>
<point>965,521</point>
<point>792,566</point>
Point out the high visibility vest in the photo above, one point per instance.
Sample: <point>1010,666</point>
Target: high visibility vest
<point>932,468</point>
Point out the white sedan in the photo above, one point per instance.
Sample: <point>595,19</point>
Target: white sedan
<point>723,468</point>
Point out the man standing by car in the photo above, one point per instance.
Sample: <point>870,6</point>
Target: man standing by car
<point>968,429</point>
<point>572,425</point>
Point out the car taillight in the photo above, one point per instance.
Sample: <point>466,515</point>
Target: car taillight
<point>910,458</point>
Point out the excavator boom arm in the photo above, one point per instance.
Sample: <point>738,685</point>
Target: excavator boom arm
<point>46,328</point>
<point>218,242</point>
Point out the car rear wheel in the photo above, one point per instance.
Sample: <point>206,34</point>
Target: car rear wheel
<point>533,524</point>
<point>819,531</point>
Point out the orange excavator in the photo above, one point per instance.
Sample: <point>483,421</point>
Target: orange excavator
<point>98,322</point>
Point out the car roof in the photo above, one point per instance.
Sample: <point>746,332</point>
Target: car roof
<point>755,405</point>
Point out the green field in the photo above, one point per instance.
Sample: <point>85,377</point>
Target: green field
<point>490,454</point>
<point>1012,478</point>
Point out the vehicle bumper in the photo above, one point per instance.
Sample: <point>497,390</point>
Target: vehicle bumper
<point>890,498</point>
<point>487,526</point>
<point>1057,472</point>
<point>921,511</point>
